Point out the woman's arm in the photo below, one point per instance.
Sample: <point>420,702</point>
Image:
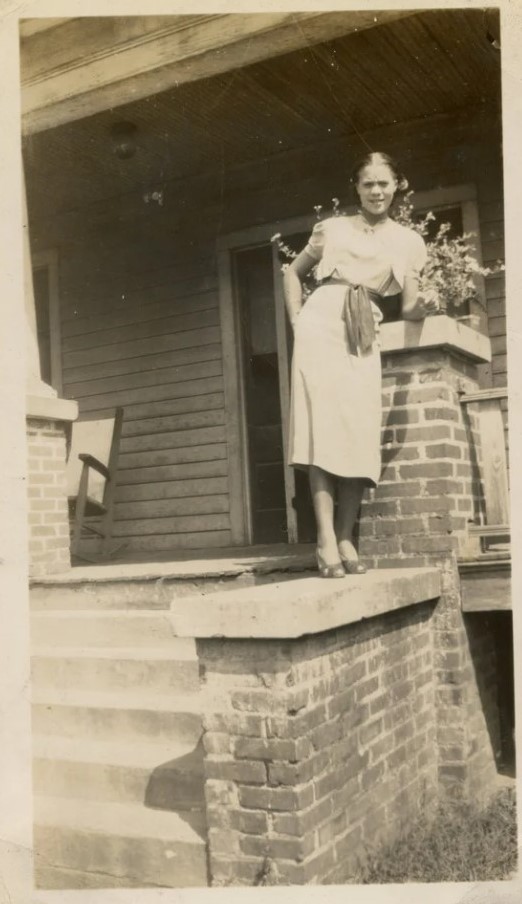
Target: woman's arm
<point>414,305</point>
<point>293,283</point>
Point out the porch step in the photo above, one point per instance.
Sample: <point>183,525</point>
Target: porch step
<point>159,669</point>
<point>107,628</point>
<point>53,878</point>
<point>154,585</point>
<point>121,841</point>
<point>118,716</point>
<point>166,776</point>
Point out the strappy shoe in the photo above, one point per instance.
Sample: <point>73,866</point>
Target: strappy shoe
<point>329,571</point>
<point>353,566</point>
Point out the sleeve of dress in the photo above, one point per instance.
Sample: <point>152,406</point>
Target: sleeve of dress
<point>417,256</point>
<point>409,256</point>
<point>315,244</point>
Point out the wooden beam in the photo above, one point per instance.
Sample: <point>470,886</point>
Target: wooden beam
<point>29,27</point>
<point>83,66</point>
<point>487,588</point>
<point>485,395</point>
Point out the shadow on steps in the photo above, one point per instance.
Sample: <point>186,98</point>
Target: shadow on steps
<point>178,786</point>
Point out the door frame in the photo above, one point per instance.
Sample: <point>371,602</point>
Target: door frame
<point>233,372</point>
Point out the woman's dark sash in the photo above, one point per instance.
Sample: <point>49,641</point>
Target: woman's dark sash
<point>358,315</point>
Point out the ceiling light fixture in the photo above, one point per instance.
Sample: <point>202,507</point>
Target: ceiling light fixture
<point>123,136</point>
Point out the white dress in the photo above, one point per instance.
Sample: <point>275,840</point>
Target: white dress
<point>335,409</point>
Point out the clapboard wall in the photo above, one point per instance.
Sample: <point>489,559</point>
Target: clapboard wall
<point>146,335</point>
<point>140,308</point>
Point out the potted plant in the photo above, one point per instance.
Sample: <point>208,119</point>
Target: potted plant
<point>452,271</point>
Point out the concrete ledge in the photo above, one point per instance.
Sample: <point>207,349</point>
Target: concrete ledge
<point>255,561</point>
<point>304,606</point>
<point>51,409</point>
<point>408,335</point>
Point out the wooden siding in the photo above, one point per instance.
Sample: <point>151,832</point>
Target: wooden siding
<point>154,348</point>
<point>140,315</point>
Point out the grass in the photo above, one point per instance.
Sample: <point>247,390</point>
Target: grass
<point>462,844</point>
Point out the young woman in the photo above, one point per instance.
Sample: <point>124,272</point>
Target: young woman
<point>335,412</point>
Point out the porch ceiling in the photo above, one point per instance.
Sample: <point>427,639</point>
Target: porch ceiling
<point>426,64</point>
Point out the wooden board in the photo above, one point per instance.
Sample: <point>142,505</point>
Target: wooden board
<point>64,81</point>
<point>174,472</point>
<point>192,420</point>
<point>169,508</point>
<point>143,310</point>
<point>284,393</point>
<point>201,362</point>
<point>173,489</point>
<point>486,590</point>
<point>184,524</point>
<point>177,407</point>
<point>161,328</point>
<point>159,458</point>
<point>140,347</point>
<point>240,521</point>
<point>173,439</point>
<point>140,364</point>
<point>208,539</point>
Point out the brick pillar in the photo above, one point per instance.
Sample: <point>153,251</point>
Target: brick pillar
<point>319,721</point>
<point>49,541</point>
<point>430,484</point>
<point>418,515</point>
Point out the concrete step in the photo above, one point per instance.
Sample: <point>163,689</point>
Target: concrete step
<point>167,776</point>
<point>126,841</point>
<point>114,668</point>
<point>107,628</point>
<point>53,878</point>
<point>117,716</point>
<point>154,585</point>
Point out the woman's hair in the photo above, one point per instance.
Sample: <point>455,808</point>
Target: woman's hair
<point>380,159</point>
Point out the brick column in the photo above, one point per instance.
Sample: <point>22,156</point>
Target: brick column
<point>418,515</point>
<point>49,542</point>
<point>430,483</point>
<point>319,745</point>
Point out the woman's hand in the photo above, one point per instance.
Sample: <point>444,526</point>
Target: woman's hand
<point>293,284</point>
<point>416,305</point>
<point>429,303</point>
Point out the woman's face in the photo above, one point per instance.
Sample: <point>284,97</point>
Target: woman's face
<point>376,187</point>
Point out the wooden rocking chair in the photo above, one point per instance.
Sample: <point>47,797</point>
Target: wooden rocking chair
<point>91,471</point>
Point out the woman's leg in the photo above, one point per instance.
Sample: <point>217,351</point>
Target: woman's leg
<point>348,505</point>
<point>322,486</point>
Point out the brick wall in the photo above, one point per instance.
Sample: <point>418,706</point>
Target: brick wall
<point>419,513</point>
<point>317,750</point>
<point>430,487</point>
<point>47,498</point>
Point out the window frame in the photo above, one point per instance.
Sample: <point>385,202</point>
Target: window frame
<point>465,197</point>
<point>48,260</point>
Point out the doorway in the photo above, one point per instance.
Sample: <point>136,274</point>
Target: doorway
<point>279,498</point>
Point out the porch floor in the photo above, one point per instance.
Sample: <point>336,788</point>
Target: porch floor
<point>485,580</point>
<point>193,563</point>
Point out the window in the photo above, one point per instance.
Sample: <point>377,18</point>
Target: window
<point>46,302</point>
<point>457,206</point>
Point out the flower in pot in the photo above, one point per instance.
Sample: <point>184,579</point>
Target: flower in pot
<point>452,272</point>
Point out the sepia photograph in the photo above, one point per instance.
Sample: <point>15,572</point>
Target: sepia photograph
<point>267,449</point>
